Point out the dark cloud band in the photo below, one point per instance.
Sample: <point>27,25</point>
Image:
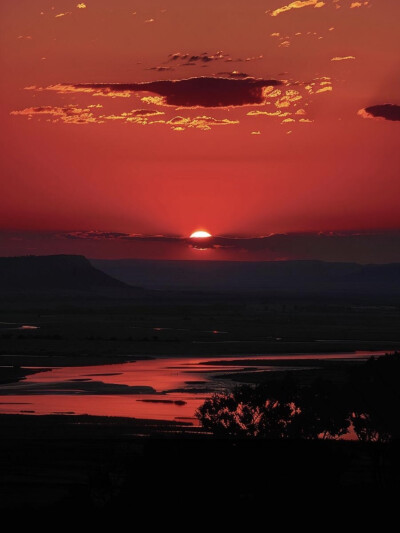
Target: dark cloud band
<point>194,92</point>
<point>386,111</point>
<point>362,247</point>
<point>346,246</point>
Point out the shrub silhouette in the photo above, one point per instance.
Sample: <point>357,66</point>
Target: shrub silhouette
<point>369,401</point>
<point>373,394</point>
<point>249,412</point>
<point>323,412</point>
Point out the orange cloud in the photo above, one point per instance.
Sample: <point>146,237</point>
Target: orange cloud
<point>70,114</point>
<point>324,89</point>
<point>319,85</point>
<point>62,88</point>
<point>258,112</point>
<point>202,123</point>
<point>343,58</point>
<point>155,100</point>
<point>358,4</point>
<point>143,117</point>
<point>296,5</point>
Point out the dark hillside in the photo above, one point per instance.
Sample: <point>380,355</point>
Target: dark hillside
<point>53,273</point>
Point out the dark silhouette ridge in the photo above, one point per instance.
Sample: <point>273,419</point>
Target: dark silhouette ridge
<point>285,277</point>
<point>54,273</point>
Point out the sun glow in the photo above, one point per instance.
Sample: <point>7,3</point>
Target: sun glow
<point>200,235</point>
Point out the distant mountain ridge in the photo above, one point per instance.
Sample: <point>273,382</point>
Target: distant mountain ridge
<point>54,273</point>
<point>274,276</point>
<point>69,274</point>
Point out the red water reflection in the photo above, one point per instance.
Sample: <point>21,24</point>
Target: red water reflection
<point>105,405</point>
<point>72,390</point>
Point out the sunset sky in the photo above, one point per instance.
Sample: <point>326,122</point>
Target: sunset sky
<point>271,124</point>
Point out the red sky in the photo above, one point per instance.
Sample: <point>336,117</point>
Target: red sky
<point>296,139</point>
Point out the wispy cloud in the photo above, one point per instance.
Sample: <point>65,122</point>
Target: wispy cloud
<point>300,4</point>
<point>116,235</point>
<point>284,40</point>
<point>145,117</point>
<point>200,58</point>
<point>160,68</point>
<point>342,58</point>
<point>358,4</point>
<point>65,88</point>
<point>71,114</point>
<point>295,5</point>
<point>234,74</point>
<point>202,123</point>
<point>185,59</point>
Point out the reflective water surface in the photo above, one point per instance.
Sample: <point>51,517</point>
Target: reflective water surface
<point>166,388</point>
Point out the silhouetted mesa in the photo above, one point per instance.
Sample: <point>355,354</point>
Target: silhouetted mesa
<point>54,273</point>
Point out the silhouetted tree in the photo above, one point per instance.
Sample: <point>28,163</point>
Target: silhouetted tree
<point>323,412</point>
<point>262,411</point>
<point>373,395</point>
<point>369,400</point>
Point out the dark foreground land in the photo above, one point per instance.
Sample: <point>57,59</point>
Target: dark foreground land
<point>63,306</point>
<point>196,325</point>
<point>87,464</point>
<point>105,465</point>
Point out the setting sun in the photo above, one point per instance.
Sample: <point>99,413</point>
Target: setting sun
<point>200,235</point>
